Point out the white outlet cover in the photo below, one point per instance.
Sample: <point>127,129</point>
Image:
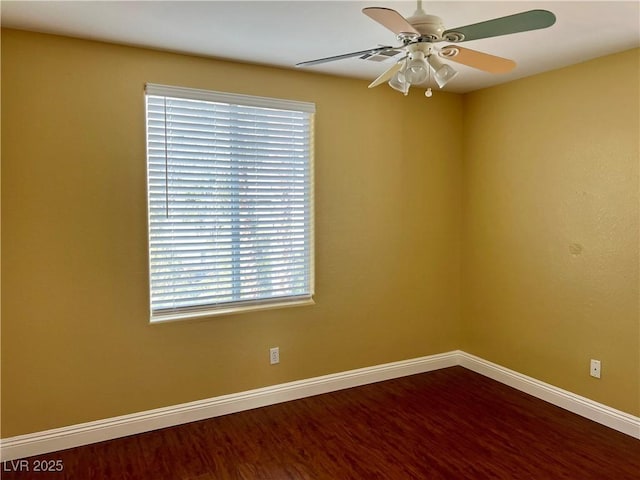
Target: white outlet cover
<point>274,355</point>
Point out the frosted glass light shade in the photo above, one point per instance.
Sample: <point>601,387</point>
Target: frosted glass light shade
<point>442,72</point>
<point>417,69</point>
<point>399,82</point>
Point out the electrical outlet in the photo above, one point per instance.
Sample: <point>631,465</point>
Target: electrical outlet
<point>274,355</point>
<point>595,368</point>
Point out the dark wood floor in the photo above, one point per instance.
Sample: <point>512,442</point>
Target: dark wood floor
<point>448,424</point>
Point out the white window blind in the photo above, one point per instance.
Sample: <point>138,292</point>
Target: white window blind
<point>230,191</point>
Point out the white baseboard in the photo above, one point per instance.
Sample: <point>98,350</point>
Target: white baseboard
<point>91,432</point>
<point>610,417</point>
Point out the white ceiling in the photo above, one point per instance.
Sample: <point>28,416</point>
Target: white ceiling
<point>283,33</point>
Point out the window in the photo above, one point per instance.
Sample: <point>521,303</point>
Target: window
<point>230,191</point>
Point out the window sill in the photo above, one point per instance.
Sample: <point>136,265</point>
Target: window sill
<point>231,310</point>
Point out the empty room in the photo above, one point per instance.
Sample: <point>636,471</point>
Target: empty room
<point>320,240</point>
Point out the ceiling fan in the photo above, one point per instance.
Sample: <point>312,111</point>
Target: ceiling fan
<point>419,35</point>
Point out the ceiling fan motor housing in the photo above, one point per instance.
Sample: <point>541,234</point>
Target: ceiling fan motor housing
<point>429,26</point>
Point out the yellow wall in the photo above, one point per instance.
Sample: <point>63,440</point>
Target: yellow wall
<point>550,263</point>
<point>76,343</point>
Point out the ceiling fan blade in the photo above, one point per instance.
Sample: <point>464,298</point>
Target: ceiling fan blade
<point>386,75</point>
<point>371,51</point>
<point>520,22</point>
<point>479,60</point>
<point>390,19</point>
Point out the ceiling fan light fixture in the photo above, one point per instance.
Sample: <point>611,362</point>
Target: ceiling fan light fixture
<point>443,73</point>
<point>417,68</point>
<point>399,82</point>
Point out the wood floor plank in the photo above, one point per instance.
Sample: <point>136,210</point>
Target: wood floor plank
<point>450,424</point>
